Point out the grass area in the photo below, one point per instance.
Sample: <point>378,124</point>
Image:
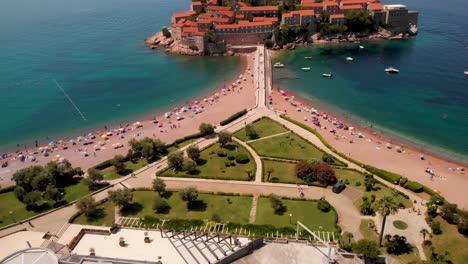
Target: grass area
<point>264,127</point>
<point>104,216</point>
<point>400,224</point>
<point>12,210</point>
<point>380,190</point>
<point>131,166</point>
<point>212,166</point>
<point>76,191</point>
<point>181,145</point>
<point>368,232</point>
<point>288,146</point>
<point>304,211</point>
<point>451,241</point>
<point>282,172</point>
<point>229,208</point>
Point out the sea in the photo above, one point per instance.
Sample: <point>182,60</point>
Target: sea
<point>72,67</point>
<point>426,104</point>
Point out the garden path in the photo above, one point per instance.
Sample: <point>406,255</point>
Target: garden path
<point>275,135</point>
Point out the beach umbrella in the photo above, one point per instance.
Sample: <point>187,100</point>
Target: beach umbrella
<point>104,136</point>
<point>60,141</point>
<point>71,141</point>
<point>51,143</point>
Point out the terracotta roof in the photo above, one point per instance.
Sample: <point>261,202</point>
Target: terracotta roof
<point>220,20</point>
<point>350,2</point>
<point>311,4</point>
<point>239,16</point>
<point>197,3</point>
<point>330,3</point>
<point>184,14</point>
<point>218,8</point>
<point>350,7</point>
<point>375,6</point>
<point>180,23</point>
<point>337,16</point>
<point>213,2</point>
<point>242,4</point>
<point>226,13</point>
<point>230,26</point>
<point>194,30</point>
<point>259,8</point>
<point>245,23</point>
<point>205,16</point>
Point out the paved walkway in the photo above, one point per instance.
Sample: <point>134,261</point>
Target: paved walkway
<point>253,210</point>
<point>275,135</point>
<point>257,159</point>
<point>348,216</point>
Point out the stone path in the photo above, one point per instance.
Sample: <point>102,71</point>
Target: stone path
<point>280,134</point>
<point>253,210</point>
<point>257,159</point>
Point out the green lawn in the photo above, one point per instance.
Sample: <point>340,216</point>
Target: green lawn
<point>288,146</point>
<point>400,224</point>
<point>133,165</point>
<point>379,191</point>
<point>76,191</point>
<point>304,211</point>
<point>282,172</point>
<point>229,208</point>
<point>213,167</point>
<point>368,232</point>
<point>105,216</point>
<point>264,127</point>
<point>451,241</point>
<point>9,203</point>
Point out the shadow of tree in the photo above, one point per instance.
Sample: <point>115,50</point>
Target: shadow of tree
<point>131,209</point>
<point>197,205</point>
<point>166,195</point>
<point>283,209</point>
<point>98,214</point>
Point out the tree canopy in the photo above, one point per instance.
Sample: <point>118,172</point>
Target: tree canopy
<point>360,21</point>
<point>121,198</point>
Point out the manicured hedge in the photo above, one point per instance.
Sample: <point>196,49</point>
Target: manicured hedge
<point>103,165</point>
<point>233,117</point>
<point>189,137</point>
<point>7,189</point>
<point>386,175</point>
<point>414,186</point>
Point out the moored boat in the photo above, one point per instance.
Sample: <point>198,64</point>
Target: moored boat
<point>307,57</point>
<point>465,72</point>
<point>349,59</point>
<point>278,65</point>
<point>392,70</point>
<point>305,68</point>
<point>327,75</point>
<point>361,47</point>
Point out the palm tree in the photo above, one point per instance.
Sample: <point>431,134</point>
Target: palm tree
<point>385,207</point>
<point>424,232</point>
<point>270,171</point>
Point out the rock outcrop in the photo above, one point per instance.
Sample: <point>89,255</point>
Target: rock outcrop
<point>170,45</point>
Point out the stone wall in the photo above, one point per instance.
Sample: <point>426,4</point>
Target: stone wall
<point>215,48</point>
<point>243,38</point>
<point>196,41</point>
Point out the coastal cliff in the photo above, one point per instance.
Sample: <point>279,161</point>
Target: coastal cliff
<point>169,44</point>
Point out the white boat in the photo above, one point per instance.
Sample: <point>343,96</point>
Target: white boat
<point>278,65</point>
<point>465,72</point>
<point>305,68</point>
<point>392,70</point>
<point>349,59</point>
<point>361,47</point>
<point>308,58</point>
<point>327,75</point>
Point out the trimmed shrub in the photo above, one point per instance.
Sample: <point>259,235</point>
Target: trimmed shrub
<point>233,117</point>
<point>403,181</point>
<point>386,175</point>
<point>7,189</point>
<point>242,158</point>
<point>435,226</point>
<point>166,33</point>
<point>414,186</point>
<point>323,206</point>
<point>160,205</point>
<point>222,153</point>
<point>103,165</point>
<point>227,163</point>
<point>231,157</point>
<point>193,47</point>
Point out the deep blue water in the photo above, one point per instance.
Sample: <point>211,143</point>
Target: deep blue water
<point>427,103</point>
<point>95,51</point>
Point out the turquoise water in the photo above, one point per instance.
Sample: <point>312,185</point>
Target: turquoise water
<point>95,51</point>
<point>427,103</point>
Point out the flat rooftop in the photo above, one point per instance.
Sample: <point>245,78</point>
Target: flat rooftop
<point>19,241</point>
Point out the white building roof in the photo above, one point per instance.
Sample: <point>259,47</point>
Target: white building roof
<point>31,255</point>
<point>392,7</point>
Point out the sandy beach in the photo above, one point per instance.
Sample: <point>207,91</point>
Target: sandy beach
<point>448,179</point>
<point>212,108</point>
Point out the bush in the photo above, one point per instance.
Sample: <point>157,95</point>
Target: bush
<point>224,138</point>
<point>216,218</point>
<point>386,175</point>
<point>435,226</point>
<point>166,33</point>
<point>367,248</point>
<point>328,158</point>
<point>176,159</point>
<point>242,158</point>
<point>358,183</point>
<point>276,204</point>
<point>221,153</point>
<point>231,157</point>
<point>160,205</point>
<point>403,181</point>
<point>7,189</point>
<point>250,132</point>
<point>397,245</point>
<point>193,152</point>
<point>414,186</point>
<point>206,129</point>
<point>193,47</point>
<point>233,117</point>
<point>189,165</point>
<point>346,181</point>
<point>227,164</point>
<point>323,206</point>
<point>269,43</point>
<point>365,207</point>
<point>103,165</point>
<point>189,137</point>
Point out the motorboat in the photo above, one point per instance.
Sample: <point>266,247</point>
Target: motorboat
<point>465,72</point>
<point>307,57</point>
<point>305,68</point>
<point>392,70</point>
<point>327,75</point>
<point>361,47</point>
<point>278,65</point>
<point>349,59</point>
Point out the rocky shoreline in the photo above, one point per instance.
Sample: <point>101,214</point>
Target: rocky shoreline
<point>170,45</point>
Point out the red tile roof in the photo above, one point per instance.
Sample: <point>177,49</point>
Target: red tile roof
<point>242,4</point>
<point>230,26</point>
<point>197,3</point>
<point>311,4</point>
<point>350,7</point>
<point>226,13</point>
<point>330,3</point>
<point>300,13</point>
<point>245,23</point>
<point>375,6</point>
<point>218,8</point>
<point>259,8</point>
<point>239,16</point>
<point>337,16</point>
<point>184,14</point>
<point>205,16</point>
<point>351,2</point>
